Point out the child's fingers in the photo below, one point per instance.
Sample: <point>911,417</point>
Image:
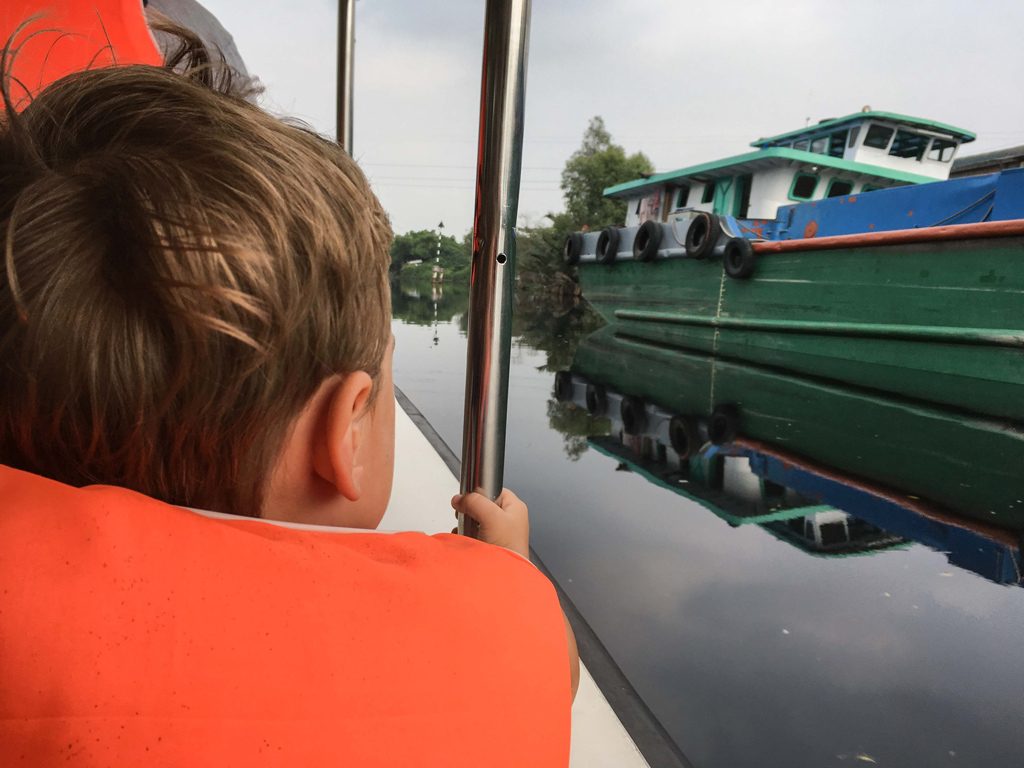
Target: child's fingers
<point>480,508</point>
<point>508,500</point>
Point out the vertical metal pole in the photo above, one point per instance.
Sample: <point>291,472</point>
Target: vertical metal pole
<point>346,58</point>
<point>492,278</point>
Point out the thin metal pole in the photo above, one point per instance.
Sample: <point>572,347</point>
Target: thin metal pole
<point>492,278</point>
<point>346,58</point>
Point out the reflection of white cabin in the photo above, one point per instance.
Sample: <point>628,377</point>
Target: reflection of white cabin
<point>849,155</point>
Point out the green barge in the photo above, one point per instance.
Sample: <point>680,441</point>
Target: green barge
<point>933,315</point>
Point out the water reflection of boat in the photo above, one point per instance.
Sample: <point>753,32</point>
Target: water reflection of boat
<point>739,439</point>
<point>720,482</point>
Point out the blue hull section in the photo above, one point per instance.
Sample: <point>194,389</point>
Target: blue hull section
<point>970,200</point>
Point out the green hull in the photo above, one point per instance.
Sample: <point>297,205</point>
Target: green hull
<point>972,465</point>
<point>941,322</point>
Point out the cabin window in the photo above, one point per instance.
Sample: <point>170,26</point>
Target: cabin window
<point>741,197</point>
<point>942,150</point>
<point>709,193</point>
<point>819,145</point>
<point>909,144</point>
<point>870,188</point>
<point>639,202</point>
<point>838,188</point>
<point>803,144</point>
<point>682,196</point>
<point>837,144</point>
<point>803,187</point>
<point>854,133</point>
<point>878,137</point>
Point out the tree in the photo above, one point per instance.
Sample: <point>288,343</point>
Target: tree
<point>421,245</point>
<point>595,166</point>
<point>539,248</point>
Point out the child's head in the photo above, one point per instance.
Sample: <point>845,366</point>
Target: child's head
<point>188,284</point>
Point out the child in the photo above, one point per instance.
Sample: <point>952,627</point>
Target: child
<point>194,313</point>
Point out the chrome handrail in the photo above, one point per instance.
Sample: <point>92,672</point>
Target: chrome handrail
<point>492,277</point>
<point>346,54</point>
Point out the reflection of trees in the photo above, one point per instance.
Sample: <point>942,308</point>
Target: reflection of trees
<point>552,327</point>
<point>419,309</point>
<point>543,322</point>
<point>540,321</point>
<point>576,425</point>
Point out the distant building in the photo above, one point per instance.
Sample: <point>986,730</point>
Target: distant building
<point>988,162</point>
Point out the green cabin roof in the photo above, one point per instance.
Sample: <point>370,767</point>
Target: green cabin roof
<point>858,117</point>
<point>760,159</point>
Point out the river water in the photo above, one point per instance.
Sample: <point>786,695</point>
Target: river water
<point>758,635</point>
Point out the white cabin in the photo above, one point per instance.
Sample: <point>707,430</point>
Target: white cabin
<point>844,156</point>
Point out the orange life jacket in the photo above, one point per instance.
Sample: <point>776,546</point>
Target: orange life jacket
<point>133,632</point>
<point>53,38</point>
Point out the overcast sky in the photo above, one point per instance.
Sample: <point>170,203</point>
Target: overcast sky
<point>684,82</point>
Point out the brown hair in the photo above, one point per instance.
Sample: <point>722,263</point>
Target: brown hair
<point>181,272</point>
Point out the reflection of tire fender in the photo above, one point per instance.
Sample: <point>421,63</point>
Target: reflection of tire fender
<point>573,248</point>
<point>701,235</point>
<point>633,414</point>
<point>647,241</point>
<point>597,400</point>
<point>739,258</point>
<point>684,436</point>
<point>608,245</point>
<point>563,386</point>
<point>724,424</point>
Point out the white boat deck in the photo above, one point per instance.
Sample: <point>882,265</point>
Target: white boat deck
<point>598,738</point>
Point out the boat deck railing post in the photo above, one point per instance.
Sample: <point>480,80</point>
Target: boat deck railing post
<point>492,277</point>
<point>346,58</point>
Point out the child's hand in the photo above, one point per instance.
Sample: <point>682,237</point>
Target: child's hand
<point>505,523</point>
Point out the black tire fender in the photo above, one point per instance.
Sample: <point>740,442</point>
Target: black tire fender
<point>684,436</point>
<point>702,235</point>
<point>647,241</point>
<point>563,386</point>
<point>634,415</point>
<point>573,248</point>
<point>724,424</point>
<point>597,400</point>
<point>608,245</point>
<point>739,259</point>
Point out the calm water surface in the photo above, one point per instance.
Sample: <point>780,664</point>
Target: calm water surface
<point>752,651</point>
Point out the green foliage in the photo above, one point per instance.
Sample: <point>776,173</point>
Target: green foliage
<point>539,262</point>
<point>575,425</point>
<point>422,245</point>
<point>595,166</point>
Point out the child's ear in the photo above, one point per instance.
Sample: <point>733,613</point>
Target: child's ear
<point>337,438</point>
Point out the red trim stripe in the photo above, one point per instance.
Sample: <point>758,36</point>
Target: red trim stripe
<point>895,237</point>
